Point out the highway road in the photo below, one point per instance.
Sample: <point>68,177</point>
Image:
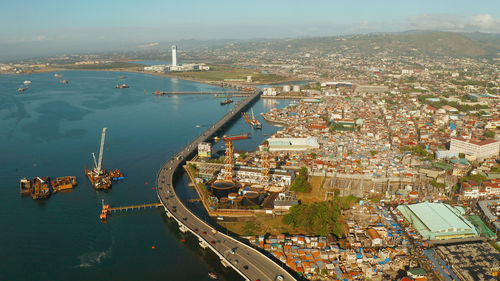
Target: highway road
<point>248,262</point>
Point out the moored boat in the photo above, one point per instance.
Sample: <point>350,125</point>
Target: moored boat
<point>227,101</point>
<point>116,175</point>
<point>64,183</point>
<point>236,137</point>
<point>25,187</point>
<point>40,188</point>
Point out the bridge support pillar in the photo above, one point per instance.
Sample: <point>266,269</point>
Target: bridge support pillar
<point>183,229</point>
<point>224,262</point>
<point>203,244</point>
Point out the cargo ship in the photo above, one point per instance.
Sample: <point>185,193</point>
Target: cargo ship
<point>25,187</point>
<point>122,86</point>
<point>40,188</point>
<point>64,183</point>
<point>236,137</point>
<point>116,175</point>
<point>63,81</point>
<point>228,101</point>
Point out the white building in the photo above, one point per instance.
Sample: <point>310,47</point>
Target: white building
<point>480,149</point>
<point>296,144</point>
<point>174,55</point>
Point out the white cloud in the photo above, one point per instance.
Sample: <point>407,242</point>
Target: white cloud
<point>482,23</point>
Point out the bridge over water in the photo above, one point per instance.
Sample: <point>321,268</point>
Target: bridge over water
<point>248,262</point>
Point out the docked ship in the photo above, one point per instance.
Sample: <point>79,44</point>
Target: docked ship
<point>63,81</point>
<point>97,176</point>
<point>236,137</point>
<point>40,188</point>
<point>57,75</point>
<point>227,101</point>
<point>25,187</point>
<point>122,86</point>
<point>64,183</point>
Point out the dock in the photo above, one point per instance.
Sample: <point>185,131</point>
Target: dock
<point>107,210</point>
<point>204,93</point>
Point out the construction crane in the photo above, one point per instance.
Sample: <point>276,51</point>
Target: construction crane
<point>98,178</point>
<point>98,166</point>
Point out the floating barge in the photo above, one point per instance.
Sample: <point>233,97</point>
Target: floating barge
<point>102,179</point>
<point>64,183</point>
<point>41,188</point>
<point>25,187</point>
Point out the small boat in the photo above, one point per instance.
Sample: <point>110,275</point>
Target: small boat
<point>22,89</point>
<point>63,81</point>
<point>25,187</point>
<point>27,82</point>
<point>122,77</point>
<point>122,86</point>
<point>116,175</point>
<point>197,126</point>
<point>57,75</point>
<point>228,101</point>
<point>212,275</point>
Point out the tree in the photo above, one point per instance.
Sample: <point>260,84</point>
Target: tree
<point>489,134</point>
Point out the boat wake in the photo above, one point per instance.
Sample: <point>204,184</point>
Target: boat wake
<point>92,258</point>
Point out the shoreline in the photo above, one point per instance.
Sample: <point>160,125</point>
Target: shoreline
<point>208,82</point>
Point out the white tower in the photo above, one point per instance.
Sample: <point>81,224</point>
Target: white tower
<point>174,55</point>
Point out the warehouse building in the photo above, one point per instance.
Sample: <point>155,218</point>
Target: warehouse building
<point>289,144</point>
<point>438,221</point>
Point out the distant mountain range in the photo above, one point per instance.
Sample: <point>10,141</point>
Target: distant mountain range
<point>430,43</point>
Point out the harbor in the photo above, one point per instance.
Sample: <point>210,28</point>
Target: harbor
<point>137,153</point>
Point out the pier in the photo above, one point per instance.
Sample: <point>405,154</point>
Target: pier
<point>134,207</point>
<point>107,210</point>
<point>159,93</point>
<point>247,261</point>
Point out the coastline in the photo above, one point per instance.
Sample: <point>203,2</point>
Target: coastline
<point>208,82</point>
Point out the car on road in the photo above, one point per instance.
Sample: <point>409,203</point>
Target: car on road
<point>212,242</point>
<point>245,267</point>
<point>204,233</point>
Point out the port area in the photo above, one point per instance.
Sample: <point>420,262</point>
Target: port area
<point>107,210</point>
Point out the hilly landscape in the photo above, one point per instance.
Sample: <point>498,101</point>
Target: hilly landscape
<point>474,45</point>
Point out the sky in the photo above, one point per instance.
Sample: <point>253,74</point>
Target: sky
<point>76,25</point>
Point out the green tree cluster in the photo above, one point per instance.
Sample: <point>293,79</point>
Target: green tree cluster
<point>320,218</point>
<point>300,183</point>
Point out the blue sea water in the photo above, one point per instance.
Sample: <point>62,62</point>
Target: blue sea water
<point>51,130</point>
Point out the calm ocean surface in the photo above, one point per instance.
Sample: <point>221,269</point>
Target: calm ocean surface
<point>51,130</point>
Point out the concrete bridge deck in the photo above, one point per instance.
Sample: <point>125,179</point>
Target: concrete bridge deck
<point>248,262</point>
